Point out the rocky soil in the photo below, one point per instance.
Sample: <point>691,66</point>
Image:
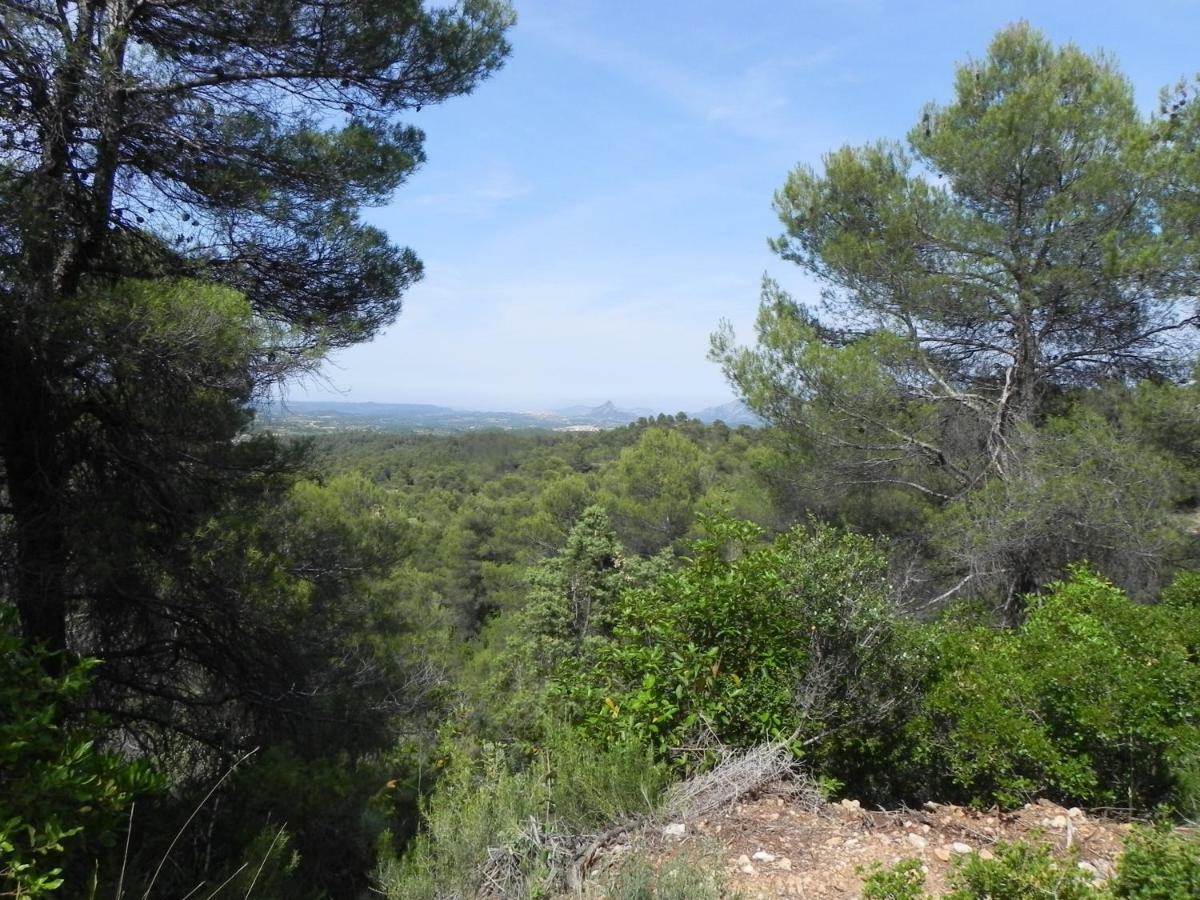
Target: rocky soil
<point>779,846</point>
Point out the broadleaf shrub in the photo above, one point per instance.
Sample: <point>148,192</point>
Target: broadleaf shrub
<point>61,798</point>
<point>1158,864</point>
<point>1019,872</point>
<point>903,881</point>
<point>749,642</point>
<point>1093,700</point>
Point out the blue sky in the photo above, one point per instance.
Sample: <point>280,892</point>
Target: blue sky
<point>590,214</point>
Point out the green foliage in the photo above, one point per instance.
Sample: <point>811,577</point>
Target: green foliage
<point>962,311</point>
<point>1157,864</point>
<point>747,642</point>
<point>1085,488</point>
<point>270,867</point>
<point>139,523</point>
<point>1019,872</point>
<point>485,508</point>
<point>903,881</point>
<point>1093,700</point>
<point>354,659</point>
<point>494,805</point>
<point>683,877</point>
<point>655,485</point>
<point>1163,414</point>
<point>333,807</point>
<point>61,797</point>
<point>1184,592</point>
<point>570,600</point>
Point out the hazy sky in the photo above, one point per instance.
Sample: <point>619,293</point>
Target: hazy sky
<point>590,214</point>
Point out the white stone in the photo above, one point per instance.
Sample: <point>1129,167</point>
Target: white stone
<point>960,847</point>
<point>917,841</point>
<point>675,829</point>
<point>763,856</point>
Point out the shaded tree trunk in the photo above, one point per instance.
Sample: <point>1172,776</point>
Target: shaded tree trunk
<point>36,477</point>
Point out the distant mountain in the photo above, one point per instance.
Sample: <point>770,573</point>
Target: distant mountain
<point>570,412</point>
<point>316,416</point>
<point>733,413</point>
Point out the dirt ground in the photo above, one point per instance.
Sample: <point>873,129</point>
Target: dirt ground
<point>775,847</point>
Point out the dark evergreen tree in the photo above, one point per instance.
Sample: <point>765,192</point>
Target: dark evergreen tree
<point>1035,239</point>
<point>206,143</point>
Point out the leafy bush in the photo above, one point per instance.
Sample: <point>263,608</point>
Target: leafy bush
<point>747,642</point>
<point>1094,700</point>
<point>1018,872</point>
<point>1158,864</point>
<point>1184,592</point>
<point>903,881</point>
<point>1082,488</point>
<point>61,799</point>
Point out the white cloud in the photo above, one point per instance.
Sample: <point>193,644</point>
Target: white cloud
<point>752,104</point>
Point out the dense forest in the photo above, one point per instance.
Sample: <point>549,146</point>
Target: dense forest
<point>958,562</point>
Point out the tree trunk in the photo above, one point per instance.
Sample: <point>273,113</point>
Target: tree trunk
<point>1020,585</point>
<point>36,478</point>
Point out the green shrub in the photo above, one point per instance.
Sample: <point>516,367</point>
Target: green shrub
<point>568,602</point>
<point>903,881</point>
<point>747,642</point>
<point>685,877</point>
<point>1018,872</point>
<point>332,809</point>
<point>1157,864</point>
<point>492,816</point>
<point>1094,700</point>
<point>1183,592</point>
<point>61,799</point>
